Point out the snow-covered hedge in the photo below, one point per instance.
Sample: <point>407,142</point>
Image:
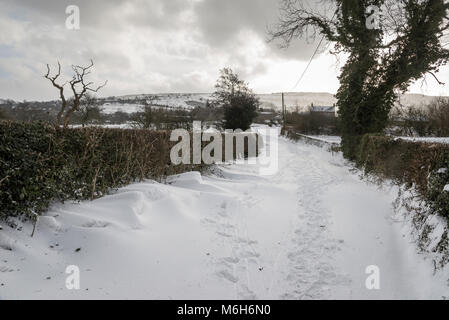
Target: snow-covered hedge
<point>423,166</point>
<point>39,164</point>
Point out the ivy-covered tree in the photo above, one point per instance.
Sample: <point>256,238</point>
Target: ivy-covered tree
<point>382,62</point>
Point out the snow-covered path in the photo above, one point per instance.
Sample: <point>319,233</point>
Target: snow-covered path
<point>308,232</point>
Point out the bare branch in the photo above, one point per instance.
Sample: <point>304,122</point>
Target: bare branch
<point>298,21</point>
<point>78,86</point>
<point>433,75</point>
<point>99,87</point>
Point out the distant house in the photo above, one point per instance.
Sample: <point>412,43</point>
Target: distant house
<point>330,111</point>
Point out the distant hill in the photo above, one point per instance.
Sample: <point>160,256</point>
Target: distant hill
<point>305,99</point>
<point>293,100</point>
<point>301,100</point>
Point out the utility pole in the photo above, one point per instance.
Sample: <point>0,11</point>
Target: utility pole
<point>283,114</point>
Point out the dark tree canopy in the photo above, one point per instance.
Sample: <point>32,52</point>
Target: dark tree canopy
<point>240,112</point>
<point>381,62</point>
<point>239,102</point>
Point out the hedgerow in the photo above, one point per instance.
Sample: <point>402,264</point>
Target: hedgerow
<point>423,166</point>
<point>40,164</point>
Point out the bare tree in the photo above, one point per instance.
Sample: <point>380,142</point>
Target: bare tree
<point>79,87</point>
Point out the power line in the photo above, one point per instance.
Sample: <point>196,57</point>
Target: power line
<point>313,56</point>
<point>308,65</point>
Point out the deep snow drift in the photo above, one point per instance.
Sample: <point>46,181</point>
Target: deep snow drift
<point>308,232</point>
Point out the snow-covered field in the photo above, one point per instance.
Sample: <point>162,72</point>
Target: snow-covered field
<point>174,100</point>
<point>111,108</point>
<point>293,100</point>
<point>307,232</point>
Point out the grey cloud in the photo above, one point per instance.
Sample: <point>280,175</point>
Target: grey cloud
<point>114,14</point>
<point>139,45</point>
<point>220,21</point>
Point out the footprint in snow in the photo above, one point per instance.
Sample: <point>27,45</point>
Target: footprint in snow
<point>208,220</point>
<point>5,269</point>
<point>224,234</point>
<point>231,260</point>
<point>224,274</point>
<point>247,294</point>
<point>95,224</point>
<point>242,240</point>
<point>223,214</point>
<point>249,254</point>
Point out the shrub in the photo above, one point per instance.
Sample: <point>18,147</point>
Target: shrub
<point>3,115</point>
<point>423,166</point>
<point>239,102</point>
<point>427,120</point>
<point>438,180</point>
<point>160,118</point>
<point>240,112</point>
<point>438,112</point>
<point>39,164</point>
<point>315,123</point>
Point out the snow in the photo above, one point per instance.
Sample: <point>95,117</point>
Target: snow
<point>185,101</point>
<point>446,188</point>
<point>307,232</point>
<point>126,125</point>
<point>129,108</point>
<point>444,140</point>
<point>328,139</point>
<point>173,100</point>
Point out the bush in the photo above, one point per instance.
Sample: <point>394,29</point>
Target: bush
<point>239,102</point>
<point>438,112</point>
<point>240,112</point>
<point>427,120</point>
<point>3,115</point>
<point>39,164</point>
<point>422,166</point>
<point>438,179</point>
<point>350,146</point>
<point>89,111</point>
<point>314,123</point>
<point>162,119</point>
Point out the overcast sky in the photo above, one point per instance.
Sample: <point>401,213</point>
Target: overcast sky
<point>158,46</point>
